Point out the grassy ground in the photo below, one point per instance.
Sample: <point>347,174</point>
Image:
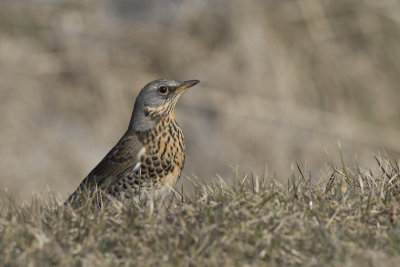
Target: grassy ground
<point>281,81</point>
<point>350,218</point>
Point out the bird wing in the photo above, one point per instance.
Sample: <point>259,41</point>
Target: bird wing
<point>125,154</point>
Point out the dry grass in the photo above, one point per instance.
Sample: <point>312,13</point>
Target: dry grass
<point>349,218</point>
<point>281,81</point>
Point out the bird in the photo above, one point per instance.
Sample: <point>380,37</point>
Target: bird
<point>150,155</point>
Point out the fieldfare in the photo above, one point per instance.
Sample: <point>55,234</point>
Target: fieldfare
<point>150,155</point>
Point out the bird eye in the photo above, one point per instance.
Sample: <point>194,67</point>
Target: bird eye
<point>163,90</point>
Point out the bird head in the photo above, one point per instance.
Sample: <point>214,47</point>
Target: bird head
<point>157,100</point>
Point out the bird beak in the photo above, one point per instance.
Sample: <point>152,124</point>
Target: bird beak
<point>185,85</point>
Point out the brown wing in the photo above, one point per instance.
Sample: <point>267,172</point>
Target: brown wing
<point>122,156</point>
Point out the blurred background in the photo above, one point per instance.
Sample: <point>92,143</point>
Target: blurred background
<point>281,81</point>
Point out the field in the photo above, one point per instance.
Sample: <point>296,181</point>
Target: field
<point>281,83</point>
<point>348,218</point>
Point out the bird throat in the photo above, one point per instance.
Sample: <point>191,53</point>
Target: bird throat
<point>146,118</point>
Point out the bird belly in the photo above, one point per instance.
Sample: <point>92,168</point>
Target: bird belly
<point>160,163</point>
<point>171,178</point>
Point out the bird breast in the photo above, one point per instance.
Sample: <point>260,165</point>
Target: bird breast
<point>165,153</point>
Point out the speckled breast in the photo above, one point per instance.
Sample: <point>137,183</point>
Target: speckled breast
<point>161,162</point>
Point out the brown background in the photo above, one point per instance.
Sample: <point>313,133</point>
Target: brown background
<point>281,81</point>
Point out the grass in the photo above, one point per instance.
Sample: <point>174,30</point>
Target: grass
<point>350,217</point>
<point>289,77</point>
